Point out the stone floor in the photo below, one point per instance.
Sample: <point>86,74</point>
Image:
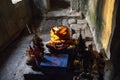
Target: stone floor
<point>12,64</point>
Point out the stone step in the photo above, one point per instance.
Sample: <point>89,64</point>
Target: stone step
<point>62,17</point>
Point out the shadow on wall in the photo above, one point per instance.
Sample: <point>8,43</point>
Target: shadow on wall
<point>99,9</point>
<point>36,13</point>
<point>115,46</point>
<point>13,19</point>
<point>59,4</point>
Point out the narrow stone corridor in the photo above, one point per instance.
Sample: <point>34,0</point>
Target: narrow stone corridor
<point>96,20</point>
<point>13,59</point>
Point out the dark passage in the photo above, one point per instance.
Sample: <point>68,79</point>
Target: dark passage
<point>59,4</point>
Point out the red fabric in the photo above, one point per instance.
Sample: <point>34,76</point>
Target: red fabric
<point>90,46</point>
<point>36,51</point>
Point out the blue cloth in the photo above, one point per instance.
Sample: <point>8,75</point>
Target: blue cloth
<point>59,60</point>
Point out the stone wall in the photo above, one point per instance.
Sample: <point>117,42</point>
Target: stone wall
<point>79,5</point>
<point>13,18</point>
<point>100,18</point>
<point>94,17</point>
<point>103,18</point>
<point>42,5</point>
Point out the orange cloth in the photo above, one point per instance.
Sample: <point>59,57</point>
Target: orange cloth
<point>60,34</point>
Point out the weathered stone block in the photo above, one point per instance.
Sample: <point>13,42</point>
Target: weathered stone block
<point>65,22</point>
<point>81,21</point>
<point>72,21</point>
<point>78,26</point>
<point>88,32</point>
<point>75,26</point>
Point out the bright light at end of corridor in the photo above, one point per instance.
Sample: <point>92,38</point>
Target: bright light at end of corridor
<point>15,1</point>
